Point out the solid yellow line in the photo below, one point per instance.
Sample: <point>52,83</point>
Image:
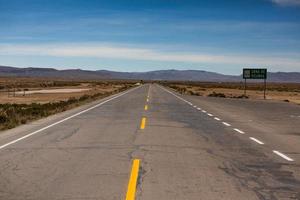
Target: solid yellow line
<point>133,180</point>
<point>143,123</point>
<point>146,107</point>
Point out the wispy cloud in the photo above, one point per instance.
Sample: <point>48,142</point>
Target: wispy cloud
<point>287,2</point>
<point>137,53</point>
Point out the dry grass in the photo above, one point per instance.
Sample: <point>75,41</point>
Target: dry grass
<point>275,91</point>
<point>18,109</point>
<point>18,85</point>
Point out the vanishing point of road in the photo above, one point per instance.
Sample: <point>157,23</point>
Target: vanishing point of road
<point>151,143</point>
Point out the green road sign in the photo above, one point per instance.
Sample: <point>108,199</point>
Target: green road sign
<point>255,73</point>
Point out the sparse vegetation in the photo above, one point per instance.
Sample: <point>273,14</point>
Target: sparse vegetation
<point>215,94</point>
<point>13,114</point>
<point>288,92</point>
<point>241,97</point>
<point>257,86</point>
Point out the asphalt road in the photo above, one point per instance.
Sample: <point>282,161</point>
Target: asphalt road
<point>152,143</point>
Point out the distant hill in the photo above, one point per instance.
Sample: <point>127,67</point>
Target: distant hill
<point>176,75</point>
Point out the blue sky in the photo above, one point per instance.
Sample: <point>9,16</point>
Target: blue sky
<point>136,35</point>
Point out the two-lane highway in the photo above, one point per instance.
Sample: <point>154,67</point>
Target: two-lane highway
<point>146,143</point>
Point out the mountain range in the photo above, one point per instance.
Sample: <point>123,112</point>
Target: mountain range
<point>175,75</point>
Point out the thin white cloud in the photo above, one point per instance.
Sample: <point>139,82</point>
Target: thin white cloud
<point>287,2</point>
<point>134,53</point>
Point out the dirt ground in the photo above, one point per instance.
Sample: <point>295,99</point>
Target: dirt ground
<point>281,95</point>
<point>38,91</point>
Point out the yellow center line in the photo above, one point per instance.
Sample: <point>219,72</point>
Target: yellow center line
<point>143,123</point>
<point>133,180</point>
<point>146,107</point>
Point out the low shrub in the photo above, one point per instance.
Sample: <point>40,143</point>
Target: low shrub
<point>215,94</point>
<point>12,115</point>
<point>241,97</point>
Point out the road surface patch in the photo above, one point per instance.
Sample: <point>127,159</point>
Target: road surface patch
<point>239,131</point>
<point>256,140</point>
<point>283,156</point>
<point>131,190</point>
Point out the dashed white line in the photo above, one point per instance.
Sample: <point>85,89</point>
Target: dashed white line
<point>283,156</point>
<point>218,119</point>
<point>226,124</point>
<point>239,131</point>
<point>195,106</point>
<point>209,114</point>
<point>256,140</point>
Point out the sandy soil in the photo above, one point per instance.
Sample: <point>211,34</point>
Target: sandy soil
<point>39,95</point>
<point>53,91</point>
<point>253,94</point>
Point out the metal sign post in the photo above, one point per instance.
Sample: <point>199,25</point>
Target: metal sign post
<point>265,87</point>
<point>255,73</point>
<point>245,87</point>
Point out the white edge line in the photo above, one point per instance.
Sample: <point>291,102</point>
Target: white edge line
<point>65,119</point>
<point>256,140</point>
<point>204,111</point>
<point>198,108</point>
<point>239,131</point>
<point>226,124</point>
<point>218,119</point>
<point>209,114</point>
<point>283,156</point>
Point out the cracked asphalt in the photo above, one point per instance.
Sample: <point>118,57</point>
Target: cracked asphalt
<point>184,153</point>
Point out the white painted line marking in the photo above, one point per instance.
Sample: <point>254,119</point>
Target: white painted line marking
<point>204,111</point>
<point>276,152</point>
<point>209,114</point>
<point>256,140</point>
<point>283,156</point>
<point>65,119</point>
<point>239,131</point>
<point>175,95</point>
<point>195,106</point>
<point>226,124</point>
<point>198,108</point>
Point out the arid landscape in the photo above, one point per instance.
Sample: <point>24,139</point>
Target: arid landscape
<point>26,99</point>
<point>288,92</point>
<point>41,90</point>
